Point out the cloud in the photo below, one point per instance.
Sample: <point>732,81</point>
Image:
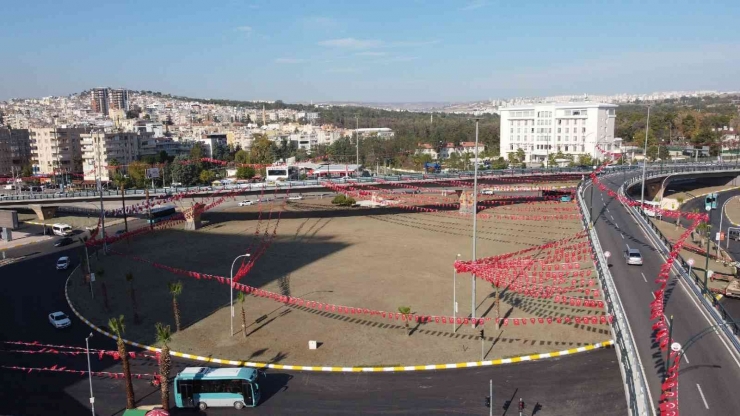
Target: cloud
<point>371,54</point>
<point>321,22</point>
<point>245,29</point>
<point>412,44</point>
<point>289,60</point>
<point>352,43</point>
<point>475,4</point>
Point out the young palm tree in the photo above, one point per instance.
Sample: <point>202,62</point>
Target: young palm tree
<point>241,297</point>
<point>406,311</point>
<point>117,326</point>
<point>164,336</point>
<point>175,291</point>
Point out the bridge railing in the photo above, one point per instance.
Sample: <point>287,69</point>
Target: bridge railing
<point>624,343</point>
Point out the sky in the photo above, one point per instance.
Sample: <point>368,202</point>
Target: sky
<point>370,51</point>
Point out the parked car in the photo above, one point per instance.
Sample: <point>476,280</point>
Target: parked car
<point>295,198</point>
<point>63,263</point>
<point>487,192</point>
<point>633,256</point>
<point>64,242</point>
<point>566,198</point>
<point>59,320</point>
<point>246,203</point>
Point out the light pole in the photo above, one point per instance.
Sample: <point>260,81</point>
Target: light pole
<point>644,161</point>
<point>691,264</point>
<point>475,215</point>
<point>357,139</point>
<point>89,373</point>
<point>454,295</point>
<point>231,291</point>
<point>709,238</point>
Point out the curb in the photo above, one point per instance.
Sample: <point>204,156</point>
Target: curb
<point>533,357</point>
<point>24,244</point>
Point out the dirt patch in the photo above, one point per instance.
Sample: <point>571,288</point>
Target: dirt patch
<point>374,258</point>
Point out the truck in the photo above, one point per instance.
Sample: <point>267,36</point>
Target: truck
<point>431,167</point>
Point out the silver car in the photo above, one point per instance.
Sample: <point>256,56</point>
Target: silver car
<point>633,256</point>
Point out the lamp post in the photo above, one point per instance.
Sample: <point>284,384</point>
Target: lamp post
<point>691,264</point>
<point>709,238</point>
<point>644,161</point>
<point>231,290</point>
<point>475,215</point>
<point>89,373</point>
<point>454,295</point>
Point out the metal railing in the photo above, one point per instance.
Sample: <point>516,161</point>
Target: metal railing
<point>631,369</point>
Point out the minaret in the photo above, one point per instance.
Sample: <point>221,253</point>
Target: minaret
<point>264,119</point>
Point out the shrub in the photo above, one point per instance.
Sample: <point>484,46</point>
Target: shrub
<point>339,199</point>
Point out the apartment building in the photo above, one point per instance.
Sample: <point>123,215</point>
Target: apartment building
<point>100,148</point>
<point>119,99</point>
<point>570,128</point>
<point>100,101</point>
<point>56,149</point>
<point>383,132</point>
<point>15,150</point>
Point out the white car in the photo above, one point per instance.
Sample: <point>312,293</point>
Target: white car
<point>63,263</point>
<point>487,192</point>
<point>59,320</point>
<point>295,198</point>
<point>246,203</point>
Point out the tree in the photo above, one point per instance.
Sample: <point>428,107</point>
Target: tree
<point>585,160</point>
<point>207,176</point>
<point>184,171</point>
<point>137,173</point>
<point>261,151</point>
<point>680,202</point>
<point>652,153</point>
<point>520,155</point>
<point>27,171</point>
<point>118,328</point>
<point>241,156</point>
<point>196,153</point>
<point>499,163</point>
<point>245,172</point>
<point>164,336</point>
<point>406,312</point>
<point>241,297</point>
<point>221,152</point>
<point>175,290</point>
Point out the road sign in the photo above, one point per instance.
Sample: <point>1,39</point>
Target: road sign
<point>607,254</point>
<point>92,277</point>
<point>152,173</point>
<point>710,274</point>
<point>690,262</point>
<point>718,236</point>
<point>675,347</point>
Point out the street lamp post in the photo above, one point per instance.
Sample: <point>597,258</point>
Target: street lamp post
<point>709,239</point>
<point>454,295</point>
<point>231,291</point>
<point>89,373</point>
<point>644,161</point>
<point>475,215</point>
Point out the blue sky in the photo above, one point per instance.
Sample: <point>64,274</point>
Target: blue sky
<point>403,50</point>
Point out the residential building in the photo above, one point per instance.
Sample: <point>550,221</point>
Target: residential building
<point>56,149</point>
<point>450,149</point>
<point>210,141</point>
<point>15,150</point>
<point>427,149</point>
<point>383,132</point>
<point>100,101</point>
<point>569,128</point>
<point>100,148</point>
<point>152,146</point>
<point>119,99</point>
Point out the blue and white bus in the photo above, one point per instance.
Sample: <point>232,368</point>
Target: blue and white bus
<point>205,387</point>
<point>161,213</point>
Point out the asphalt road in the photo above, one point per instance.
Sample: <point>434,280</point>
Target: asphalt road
<point>710,371</point>
<point>583,384</point>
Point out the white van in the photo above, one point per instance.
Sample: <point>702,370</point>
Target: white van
<point>61,229</point>
<point>10,187</point>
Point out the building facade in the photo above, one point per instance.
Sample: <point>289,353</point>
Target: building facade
<point>100,148</point>
<point>15,151</point>
<point>570,128</point>
<point>119,99</point>
<point>100,101</point>
<point>56,150</point>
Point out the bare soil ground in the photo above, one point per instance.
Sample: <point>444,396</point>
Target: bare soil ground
<point>374,258</point>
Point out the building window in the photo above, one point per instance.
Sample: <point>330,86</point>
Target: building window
<point>583,130</point>
<point>558,138</point>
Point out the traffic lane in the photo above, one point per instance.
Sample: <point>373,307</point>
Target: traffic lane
<point>711,355</point>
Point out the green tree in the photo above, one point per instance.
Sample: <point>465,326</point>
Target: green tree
<point>245,172</point>
<point>175,289</point>
<point>406,312</point>
<point>499,163</point>
<point>585,160</point>
<point>520,155</point>
<point>680,200</point>
<point>241,297</point>
<point>184,171</point>
<point>221,152</point>
<point>207,176</point>
<point>196,153</point>
<point>27,171</point>
<point>164,336</point>
<point>241,156</point>
<point>261,151</point>
<point>137,173</point>
<point>118,328</point>
<point>652,152</point>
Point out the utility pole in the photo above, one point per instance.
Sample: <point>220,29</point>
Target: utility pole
<point>149,210</point>
<point>709,239</point>
<point>644,161</point>
<point>123,204</point>
<point>357,139</point>
<point>475,217</point>
<point>490,395</point>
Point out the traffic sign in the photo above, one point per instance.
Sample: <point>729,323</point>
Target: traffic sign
<point>607,254</point>
<point>690,262</point>
<point>675,347</point>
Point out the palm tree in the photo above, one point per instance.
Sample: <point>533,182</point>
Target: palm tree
<point>175,291</point>
<point>680,202</point>
<point>406,311</point>
<point>241,297</point>
<point>117,326</point>
<point>164,336</point>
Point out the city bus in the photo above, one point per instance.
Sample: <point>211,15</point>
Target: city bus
<point>281,173</point>
<point>205,387</point>
<point>161,213</point>
<point>652,209</point>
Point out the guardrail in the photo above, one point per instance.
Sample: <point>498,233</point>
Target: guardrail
<point>624,343</point>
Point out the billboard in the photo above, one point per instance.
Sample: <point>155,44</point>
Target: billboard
<point>152,173</point>
<point>8,219</point>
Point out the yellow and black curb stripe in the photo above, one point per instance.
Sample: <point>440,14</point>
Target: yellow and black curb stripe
<point>533,357</point>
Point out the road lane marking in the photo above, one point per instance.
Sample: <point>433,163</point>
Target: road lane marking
<point>686,358</point>
<point>612,217</point>
<point>701,393</point>
<point>622,235</point>
<point>616,225</point>
<point>643,277</point>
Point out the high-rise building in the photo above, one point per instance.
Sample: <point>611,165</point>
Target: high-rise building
<point>56,149</point>
<point>569,128</point>
<point>99,149</point>
<point>119,99</point>
<point>100,100</point>
<point>15,150</point>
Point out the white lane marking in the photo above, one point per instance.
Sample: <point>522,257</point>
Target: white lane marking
<point>643,277</point>
<point>616,225</point>
<point>622,235</point>
<point>701,393</point>
<point>686,358</point>
<point>612,217</point>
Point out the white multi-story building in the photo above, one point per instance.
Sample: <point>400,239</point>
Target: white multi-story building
<point>99,149</point>
<point>56,148</point>
<point>571,128</point>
